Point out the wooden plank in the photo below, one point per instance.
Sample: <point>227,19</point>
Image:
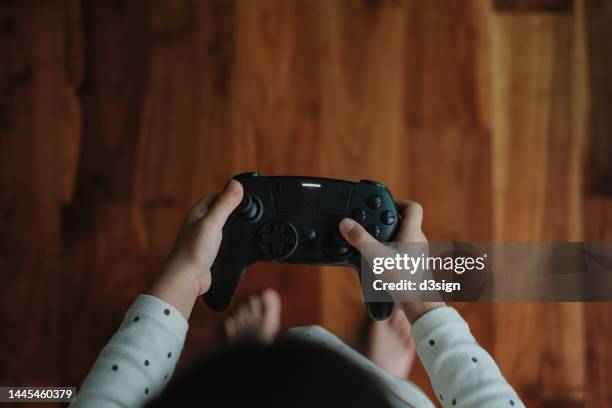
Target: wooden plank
<point>598,315</point>
<point>448,143</point>
<point>107,262</point>
<point>31,141</point>
<point>598,27</point>
<point>274,124</point>
<point>73,118</point>
<point>531,6</point>
<point>447,65</point>
<point>362,86</point>
<point>117,61</point>
<point>536,162</point>
<point>185,151</point>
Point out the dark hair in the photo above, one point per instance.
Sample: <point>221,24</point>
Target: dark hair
<point>288,373</point>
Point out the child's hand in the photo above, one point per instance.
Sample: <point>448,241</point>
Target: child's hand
<point>409,231</point>
<point>186,274</point>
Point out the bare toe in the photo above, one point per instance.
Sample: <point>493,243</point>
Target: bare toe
<point>257,318</point>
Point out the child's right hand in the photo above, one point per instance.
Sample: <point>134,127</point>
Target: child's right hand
<point>410,231</point>
<point>186,273</point>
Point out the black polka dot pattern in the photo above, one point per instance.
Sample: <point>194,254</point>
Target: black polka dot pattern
<point>511,402</point>
<point>474,359</point>
<point>454,401</point>
<point>441,399</point>
<point>169,355</point>
<point>165,377</point>
<point>432,342</point>
<point>146,391</point>
<point>146,362</point>
<point>137,318</point>
<point>167,312</point>
<point>115,367</point>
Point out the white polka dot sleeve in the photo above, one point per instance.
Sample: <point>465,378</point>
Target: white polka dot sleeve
<point>139,359</point>
<point>462,373</point>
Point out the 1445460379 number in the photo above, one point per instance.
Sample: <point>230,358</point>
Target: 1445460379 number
<point>49,394</point>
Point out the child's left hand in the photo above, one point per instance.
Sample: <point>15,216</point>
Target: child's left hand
<point>186,274</point>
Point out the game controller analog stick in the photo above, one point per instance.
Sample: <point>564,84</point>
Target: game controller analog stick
<point>338,244</point>
<point>248,209</point>
<point>295,220</point>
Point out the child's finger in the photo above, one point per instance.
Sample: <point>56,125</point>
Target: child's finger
<point>224,204</point>
<point>200,209</point>
<point>362,241</point>
<point>412,218</point>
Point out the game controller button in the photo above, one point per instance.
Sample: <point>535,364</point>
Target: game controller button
<point>342,249</point>
<point>249,208</point>
<point>372,182</point>
<point>359,215</point>
<point>373,230</point>
<point>374,201</point>
<point>339,244</point>
<point>310,234</point>
<point>387,217</point>
<point>279,238</point>
<point>266,237</point>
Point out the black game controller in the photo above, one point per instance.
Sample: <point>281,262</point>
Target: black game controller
<point>295,220</point>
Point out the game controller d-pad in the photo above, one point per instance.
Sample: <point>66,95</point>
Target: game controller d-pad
<point>277,239</point>
<point>295,220</point>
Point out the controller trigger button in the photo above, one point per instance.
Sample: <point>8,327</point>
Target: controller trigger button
<point>372,182</point>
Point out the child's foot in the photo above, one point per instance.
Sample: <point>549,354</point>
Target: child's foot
<point>390,345</point>
<point>256,318</point>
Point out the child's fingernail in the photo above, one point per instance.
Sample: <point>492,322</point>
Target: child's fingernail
<point>232,187</point>
<point>346,225</point>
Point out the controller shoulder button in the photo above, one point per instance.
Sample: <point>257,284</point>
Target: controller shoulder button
<point>248,174</point>
<point>372,182</point>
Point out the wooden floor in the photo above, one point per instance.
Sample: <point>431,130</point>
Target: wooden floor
<point>115,116</point>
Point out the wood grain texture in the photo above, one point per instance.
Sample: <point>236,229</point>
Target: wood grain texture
<point>447,65</point>
<point>116,116</point>
<point>361,121</point>
<point>32,132</point>
<point>598,315</point>
<point>117,65</point>
<point>447,143</point>
<point>524,6</point>
<point>107,263</point>
<point>538,346</point>
<point>274,122</point>
<point>598,24</point>
<point>186,113</point>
